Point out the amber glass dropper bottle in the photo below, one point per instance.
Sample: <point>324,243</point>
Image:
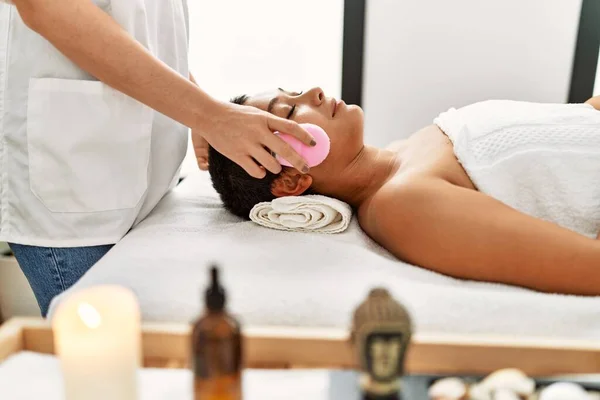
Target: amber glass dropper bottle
<point>217,348</point>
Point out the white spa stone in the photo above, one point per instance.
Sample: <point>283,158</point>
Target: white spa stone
<point>512,379</point>
<point>564,391</point>
<point>479,392</point>
<point>505,394</point>
<point>448,389</point>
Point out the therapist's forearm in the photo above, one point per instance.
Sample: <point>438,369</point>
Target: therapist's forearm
<point>97,44</point>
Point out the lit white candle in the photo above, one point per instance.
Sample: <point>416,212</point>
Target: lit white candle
<point>97,337</point>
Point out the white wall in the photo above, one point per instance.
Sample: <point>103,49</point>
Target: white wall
<point>242,46</point>
<point>16,296</point>
<point>248,46</point>
<point>425,56</point>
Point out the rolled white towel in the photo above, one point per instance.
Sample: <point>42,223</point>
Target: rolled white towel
<point>311,213</point>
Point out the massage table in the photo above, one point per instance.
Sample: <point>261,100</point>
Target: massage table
<point>308,280</point>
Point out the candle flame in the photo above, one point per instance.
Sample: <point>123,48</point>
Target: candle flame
<point>89,315</point>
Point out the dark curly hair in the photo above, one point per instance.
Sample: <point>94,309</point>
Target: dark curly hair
<point>238,190</point>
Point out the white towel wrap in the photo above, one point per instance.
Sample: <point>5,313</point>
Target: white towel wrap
<point>311,213</point>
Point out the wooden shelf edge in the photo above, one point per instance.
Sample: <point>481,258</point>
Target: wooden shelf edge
<point>11,338</point>
<point>168,346</point>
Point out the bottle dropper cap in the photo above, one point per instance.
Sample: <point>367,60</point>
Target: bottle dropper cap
<point>215,294</point>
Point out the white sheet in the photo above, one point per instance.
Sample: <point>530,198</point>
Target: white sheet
<point>298,279</point>
<point>33,376</point>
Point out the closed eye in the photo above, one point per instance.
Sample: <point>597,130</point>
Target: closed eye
<point>291,112</point>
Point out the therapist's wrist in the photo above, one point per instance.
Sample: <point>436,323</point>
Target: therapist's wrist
<point>210,115</point>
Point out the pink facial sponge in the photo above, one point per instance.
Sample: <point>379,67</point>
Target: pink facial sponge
<point>313,155</point>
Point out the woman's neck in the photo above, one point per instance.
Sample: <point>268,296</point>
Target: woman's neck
<point>365,175</point>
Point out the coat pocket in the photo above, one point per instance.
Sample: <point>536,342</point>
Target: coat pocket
<point>88,144</point>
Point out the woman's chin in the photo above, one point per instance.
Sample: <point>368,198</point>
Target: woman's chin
<point>354,115</point>
<point>355,108</point>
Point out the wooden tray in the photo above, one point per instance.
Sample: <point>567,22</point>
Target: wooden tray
<point>167,346</point>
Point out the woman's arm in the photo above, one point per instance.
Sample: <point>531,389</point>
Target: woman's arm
<point>595,102</point>
<point>469,235</point>
<point>97,44</point>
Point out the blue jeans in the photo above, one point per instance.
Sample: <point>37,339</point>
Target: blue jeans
<point>50,271</point>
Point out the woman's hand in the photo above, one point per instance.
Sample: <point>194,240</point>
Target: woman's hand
<point>243,133</point>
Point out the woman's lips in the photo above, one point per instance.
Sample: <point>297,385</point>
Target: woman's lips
<point>335,106</point>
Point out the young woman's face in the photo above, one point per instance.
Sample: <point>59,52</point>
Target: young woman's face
<point>343,123</point>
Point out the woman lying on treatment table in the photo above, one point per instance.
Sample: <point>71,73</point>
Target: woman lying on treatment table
<point>498,191</point>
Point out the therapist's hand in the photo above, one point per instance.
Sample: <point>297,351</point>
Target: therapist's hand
<point>241,133</point>
<point>200,144</point>
<point>201,151</point>
<point>95,42</point>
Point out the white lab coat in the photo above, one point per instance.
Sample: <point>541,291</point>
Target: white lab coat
<point>81,163</point>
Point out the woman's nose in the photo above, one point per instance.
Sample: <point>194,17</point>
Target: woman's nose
<point>316,95</point>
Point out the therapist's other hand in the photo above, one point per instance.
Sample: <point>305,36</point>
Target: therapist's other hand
<point>201,151</point>
<point>243,133</point>
<point>200,144</point>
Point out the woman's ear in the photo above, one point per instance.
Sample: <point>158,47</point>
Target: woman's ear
<point>291,183</point>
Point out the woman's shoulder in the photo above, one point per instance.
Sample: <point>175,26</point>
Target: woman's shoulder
<point>395,197</point>
<point>393,214</point>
